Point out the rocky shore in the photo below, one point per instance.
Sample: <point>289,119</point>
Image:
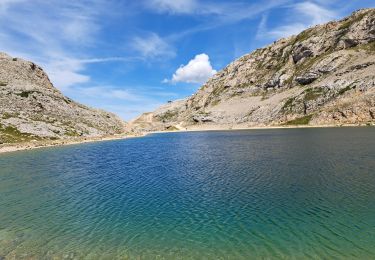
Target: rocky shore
<point>6,148</point>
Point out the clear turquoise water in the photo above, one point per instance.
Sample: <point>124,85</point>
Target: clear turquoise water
<point>291,193</point>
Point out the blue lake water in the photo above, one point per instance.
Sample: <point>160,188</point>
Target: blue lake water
<point>288,193</point>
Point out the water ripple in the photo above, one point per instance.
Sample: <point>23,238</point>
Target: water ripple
<point>272,194</point>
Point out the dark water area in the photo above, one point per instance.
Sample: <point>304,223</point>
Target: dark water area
<point>281,193</point>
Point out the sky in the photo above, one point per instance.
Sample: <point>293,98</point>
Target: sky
<point>130,57</point>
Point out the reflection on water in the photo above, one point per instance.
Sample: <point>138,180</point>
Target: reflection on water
<point>302,193</point>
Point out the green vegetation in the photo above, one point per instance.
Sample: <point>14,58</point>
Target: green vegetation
<point>346,24</point>
<point>10,134</point>
<point>313,93</point>
<point>72,133</point>
<point>342,91</point>
<point>25,94</point>
<point>215,102</point>
<point>3,83</point>
<point>288,82</point>
<point>172,128</point>
<point>67,100</point>
<point>349,22</point>
<point>369,47</point>
<point>288,104</point>
<point>306,65</point>
<point>9,115</point>
<point>309,62</point>
<point>300,121</point>
<point>168,115</point>
<point>217,91</point>
<point>303,35</point>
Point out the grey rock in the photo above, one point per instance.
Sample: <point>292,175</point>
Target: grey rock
<point>31,108</point>
<point>301,52</point>
<point>307,78</point>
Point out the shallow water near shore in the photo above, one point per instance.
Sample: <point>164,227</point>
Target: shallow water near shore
<point>280,193</point>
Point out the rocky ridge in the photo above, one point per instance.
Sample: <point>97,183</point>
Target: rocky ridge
<point>32,109</point>
<point>323,76</point>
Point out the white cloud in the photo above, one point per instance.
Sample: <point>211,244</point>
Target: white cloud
<point>198,70</point>
<point>302,16</point>
<point>287,30</point>
<point>225,12</point>
<point>66,78</point>
<point>108,92</point>
<point>68,72</point>
<point>153,46</point>
<point>173,6</point>
<point>318,14</point>
<point>52,34</point>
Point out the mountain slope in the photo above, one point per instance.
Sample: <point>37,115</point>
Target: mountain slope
<point>323,76</point>
<point>31,108</point>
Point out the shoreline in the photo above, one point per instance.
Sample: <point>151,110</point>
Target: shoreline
<point>14,147</point>
<point>234,128</point>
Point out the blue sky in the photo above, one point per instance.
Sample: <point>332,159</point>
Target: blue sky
<point>129,57</point>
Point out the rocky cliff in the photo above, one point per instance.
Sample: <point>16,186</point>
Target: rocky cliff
<point>31,108</point>
<point>323,76</point>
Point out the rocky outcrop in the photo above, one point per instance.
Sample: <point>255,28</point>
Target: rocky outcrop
<point>323,76</point>
<point>31,108</point>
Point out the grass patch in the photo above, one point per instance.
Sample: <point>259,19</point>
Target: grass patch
<point>300,121</point>
<point>25,94</point>
<point>288,104</point>
<point>172,128</point>
<point>369,47</point>
<point>71,133</point>
<point>342,91</point>
<point>303,36</point>
<point>10,134</point>
<point>167,115</point>
<point>218,91</point>
<point>9,115</point>
<point>313,93</point>
<point>215,102</point>
<point>3,84</point>
<point>349,22</point>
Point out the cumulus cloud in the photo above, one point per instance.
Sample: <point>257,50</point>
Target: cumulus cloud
<point>198,70</point>
<point>153,46</point>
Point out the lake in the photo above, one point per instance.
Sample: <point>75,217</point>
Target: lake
<point>280,193</point>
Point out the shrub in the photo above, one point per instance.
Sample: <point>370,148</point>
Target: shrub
<point>300,121</point>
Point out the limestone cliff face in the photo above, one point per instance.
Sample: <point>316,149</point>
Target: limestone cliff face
<point>323,76</point>
<point>31,108</point>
